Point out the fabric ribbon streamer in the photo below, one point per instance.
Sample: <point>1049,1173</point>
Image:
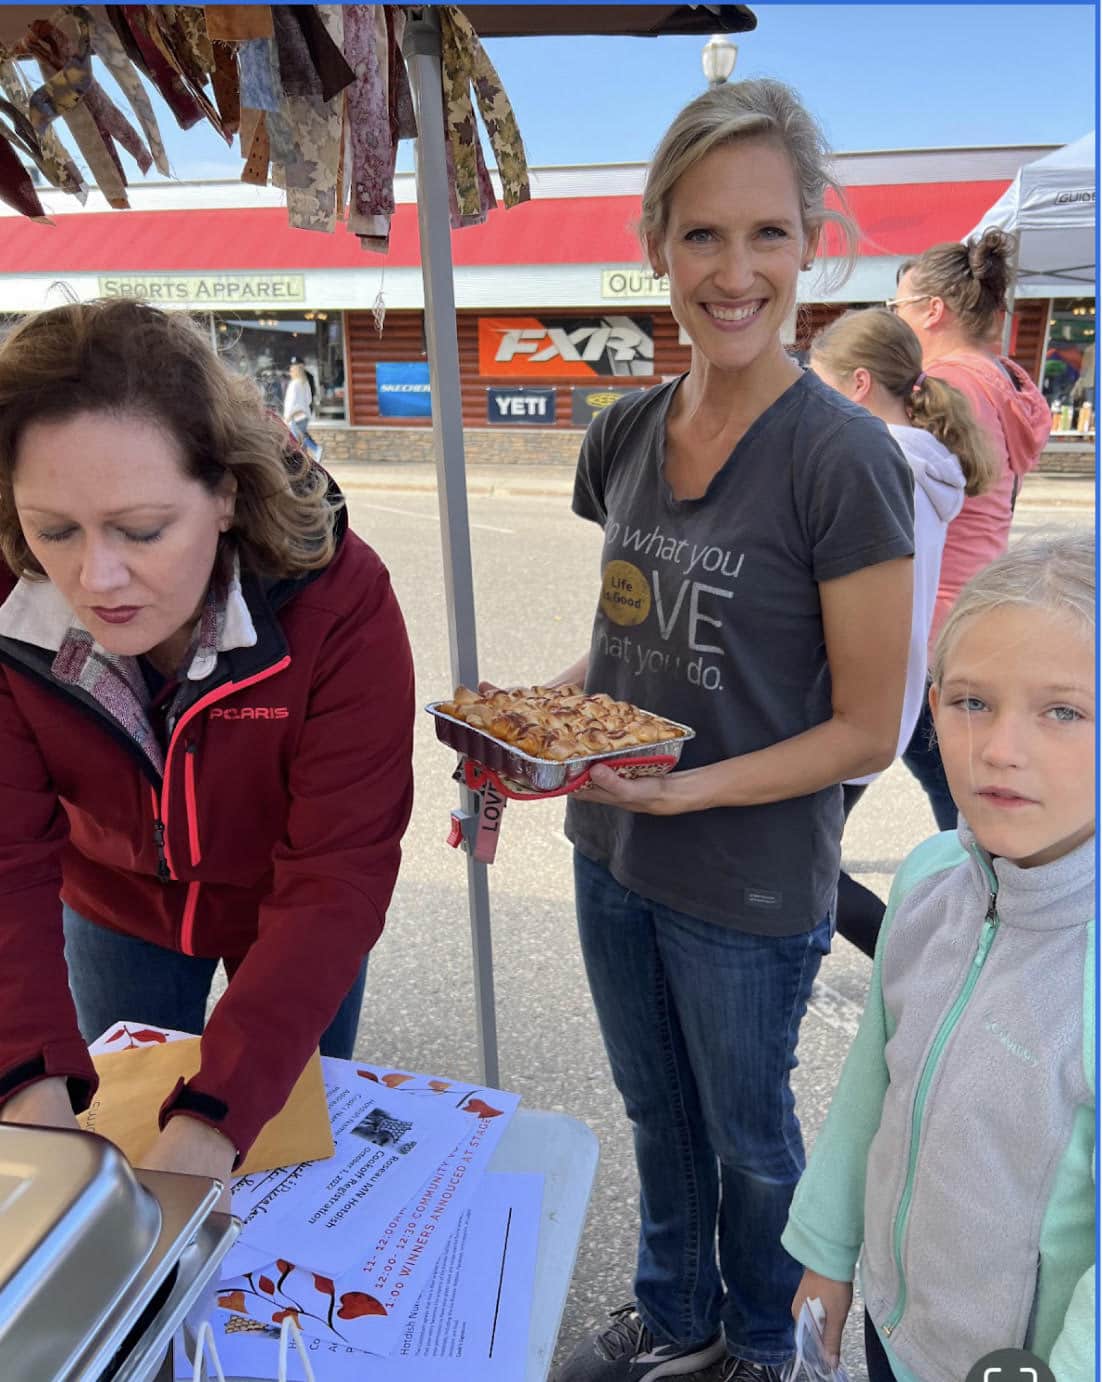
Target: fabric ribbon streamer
<point>318,93</point>
<point>106,46</point>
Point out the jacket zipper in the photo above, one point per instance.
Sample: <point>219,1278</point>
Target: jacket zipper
<point>187,922</point>
<point>189,804</point>
<point>900,1225</point>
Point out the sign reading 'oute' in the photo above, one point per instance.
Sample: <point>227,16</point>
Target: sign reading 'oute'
<point>233,290</point>
<point>638,284</point>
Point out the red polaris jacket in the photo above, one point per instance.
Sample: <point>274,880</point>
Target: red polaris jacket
<point>272,837</point>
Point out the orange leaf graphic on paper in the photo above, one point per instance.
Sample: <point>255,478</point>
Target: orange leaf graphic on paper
<point>284,1266</point>
<point>355,1304</point>
<point>145,1034</point>
<point>367,1075</point>
<point>266,1284</point>
<point>439,1086</point>
<point>481,1110</point>
<point>232,1300</point>
<point>278,1316</point>
<point>392,1081</point>
<point>323,1284</point>
<point>121,1032</point>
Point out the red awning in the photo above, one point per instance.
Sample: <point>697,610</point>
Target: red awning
<point>895,220</point>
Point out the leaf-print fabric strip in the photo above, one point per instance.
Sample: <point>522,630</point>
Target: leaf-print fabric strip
<point>165,78</point>
<point>106,46</point>
<point>61,95</point>
<point>306,140</point>
<point>371,149</point>
<point>172,43</point>
<point>465,49</point>
<point>51,155</point>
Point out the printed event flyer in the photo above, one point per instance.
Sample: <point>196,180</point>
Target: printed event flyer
<point>469,1324</point>
<point>371,1301</point>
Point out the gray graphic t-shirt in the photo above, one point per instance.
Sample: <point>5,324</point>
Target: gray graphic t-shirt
<point>710,614</point>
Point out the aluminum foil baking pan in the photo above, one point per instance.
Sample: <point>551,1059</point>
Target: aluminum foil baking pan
<point>540,773</point>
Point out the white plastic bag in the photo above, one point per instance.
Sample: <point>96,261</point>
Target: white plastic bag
<point>811,1363</point>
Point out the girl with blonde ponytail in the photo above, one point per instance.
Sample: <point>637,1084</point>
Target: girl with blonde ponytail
<point>875,359</point>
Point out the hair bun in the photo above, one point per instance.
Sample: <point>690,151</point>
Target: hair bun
<point>990,255</point>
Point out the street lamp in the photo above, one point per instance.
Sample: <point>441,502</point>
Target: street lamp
<point>718,59</point>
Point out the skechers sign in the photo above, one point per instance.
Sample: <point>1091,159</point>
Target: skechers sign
<point>521,407</point>
<point>403,389</point>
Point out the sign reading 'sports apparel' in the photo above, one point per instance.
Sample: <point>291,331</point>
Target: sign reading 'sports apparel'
<point>403,388</point>
<point>566,347</point>
<point>532,407</point>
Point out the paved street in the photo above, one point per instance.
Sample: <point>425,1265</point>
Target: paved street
<point>535,572</point>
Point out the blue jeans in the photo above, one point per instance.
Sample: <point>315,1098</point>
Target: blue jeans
<point>301,429</point>
<point>924,760</point>
<point>115,977</point>
<point>700,1024</point>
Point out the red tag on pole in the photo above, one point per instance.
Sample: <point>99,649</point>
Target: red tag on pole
<point>492,808</point>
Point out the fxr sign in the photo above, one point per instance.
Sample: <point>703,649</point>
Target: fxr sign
<point>580,348</point>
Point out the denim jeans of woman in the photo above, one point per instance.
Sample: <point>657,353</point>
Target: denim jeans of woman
<point>700,1024</point>
<point>121,978</point>
<point>924,761</point>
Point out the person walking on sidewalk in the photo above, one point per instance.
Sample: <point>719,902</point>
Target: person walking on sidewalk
<point>756,584</point>
<point>952,297</point>
<point>298,408</point>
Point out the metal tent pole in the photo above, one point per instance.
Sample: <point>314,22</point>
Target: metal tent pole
<point>422,49</point>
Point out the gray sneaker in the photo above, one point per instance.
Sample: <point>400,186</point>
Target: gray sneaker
<point>627,1351</point>
<point>740,1370</point>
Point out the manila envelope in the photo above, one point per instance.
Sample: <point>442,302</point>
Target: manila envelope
<point>135,1083</point>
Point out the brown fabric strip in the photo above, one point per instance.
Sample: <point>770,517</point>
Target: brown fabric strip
<point>227,92</point>
<point>237,23</point>
<point>258,146</point>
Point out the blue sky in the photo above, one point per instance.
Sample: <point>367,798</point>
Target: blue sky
<point>877,76</point>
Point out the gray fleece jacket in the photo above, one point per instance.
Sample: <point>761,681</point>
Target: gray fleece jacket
<point>958,1154</point>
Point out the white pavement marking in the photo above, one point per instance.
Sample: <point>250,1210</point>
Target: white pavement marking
<point>434,518</point>
<point>835,1008</point>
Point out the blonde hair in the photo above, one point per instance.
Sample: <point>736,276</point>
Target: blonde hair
<point>127,359</point>
<point>886,346</point>
<point>971,278</point>
<point>1049,573</point>
<point>740,110</point>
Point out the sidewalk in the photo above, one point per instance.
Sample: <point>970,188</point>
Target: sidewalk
<point>555,481</point>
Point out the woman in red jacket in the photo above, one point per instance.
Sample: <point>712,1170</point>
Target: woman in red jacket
<point>206,719</point>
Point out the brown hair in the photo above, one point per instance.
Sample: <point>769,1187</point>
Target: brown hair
<point>738,110</point>
<point>128,359</point>
<point>878,341</point>
<point>971,278</point>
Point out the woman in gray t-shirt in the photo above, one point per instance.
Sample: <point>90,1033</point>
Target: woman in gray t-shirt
<point>756,584</point>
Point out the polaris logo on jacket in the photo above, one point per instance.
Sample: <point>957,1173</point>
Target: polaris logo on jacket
<point>250,712</point>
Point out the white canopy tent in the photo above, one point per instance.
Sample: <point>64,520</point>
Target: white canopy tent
<point>1050,208</point>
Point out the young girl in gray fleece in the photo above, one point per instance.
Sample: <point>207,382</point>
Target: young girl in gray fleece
<point>958,1155</point>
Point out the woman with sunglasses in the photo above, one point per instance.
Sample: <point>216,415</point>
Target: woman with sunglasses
<point>953,298</point>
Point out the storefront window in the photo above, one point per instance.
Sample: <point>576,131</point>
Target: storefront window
<point>263,344</point>
<point>1068,379</point>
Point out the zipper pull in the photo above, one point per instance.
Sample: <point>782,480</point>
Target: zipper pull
<point>159,840</point>
<point>990,916</point>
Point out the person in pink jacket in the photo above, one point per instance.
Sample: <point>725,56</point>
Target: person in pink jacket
<point>952,297</point>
